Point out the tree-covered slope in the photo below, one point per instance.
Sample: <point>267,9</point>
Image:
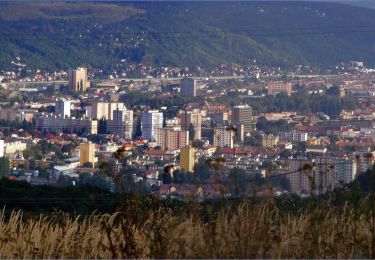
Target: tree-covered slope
<point>61,35</point>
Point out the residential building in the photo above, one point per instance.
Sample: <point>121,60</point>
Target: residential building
<point>240,132</point>
<point>121,123</point>
<point>219,117</point>
<point>295,136</point>
<point>172,138</point>
<point>191,120</point>
<point>269,141</point>
<point>11,114</point>
<point>365,160</point>
<point>316,149</point>
<point>99,110</point>
<point>187,159</point>
<point>87,153</point>
<point>322,174</point>
<point>14,147</point>
<point>300,180</point>
<point>243,114</point>
<point>62,107</point>
<point>189,87</point>
<point>152,121</point>
<point>48,122</point>
<point>332,171</point>
<point>104,110</point>
<point>223,137</point>
<point>78,79</point>
<point>275,88</point>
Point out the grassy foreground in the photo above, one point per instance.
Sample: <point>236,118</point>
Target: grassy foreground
<point>247,231</point>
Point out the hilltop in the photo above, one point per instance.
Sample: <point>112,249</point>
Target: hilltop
<point>60,35</point>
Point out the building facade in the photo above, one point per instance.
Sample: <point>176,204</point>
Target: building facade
<point>187,159</point>
<point>62,107</point>
<point>188,87</point>
<point>121,123</point>
<point>172,138</point>
<point>14,147</point>
<point>294,136</point>
<point>78,79</point>
<point>243,114</point>
<point>275,88</point>
<point>327,173</point>
<point>152,121</point>
<point>55,123</point>
<point>86,153</point>
<point>269,141</point>
<point>192,121</point>
<point>104,110</point>
<point>223,137</point>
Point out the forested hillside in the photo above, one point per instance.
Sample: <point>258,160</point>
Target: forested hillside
<point>60,35</point>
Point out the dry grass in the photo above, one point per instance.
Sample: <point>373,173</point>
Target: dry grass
<point>250,232</point>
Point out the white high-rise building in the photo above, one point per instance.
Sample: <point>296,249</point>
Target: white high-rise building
<point>62,107</point>
<point>152,120</point>
<point>223,137</point>
<point>121,123</point>
<point>104,110</point>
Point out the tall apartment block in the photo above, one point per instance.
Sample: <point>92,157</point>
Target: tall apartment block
<point>243,114</point>
<point>223,137</point>
<point>86,153</point>
<point>172,138</point>
<point>104,110</point>
<point>188,87</point>
<point>62,107</point>
<point>187,159</point>
<point>121,123</point>
<point>78,79</point>
<point>192,121</point>
<point>152,121</point>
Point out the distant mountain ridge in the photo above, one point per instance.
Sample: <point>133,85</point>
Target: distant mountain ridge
<point>61,35</point>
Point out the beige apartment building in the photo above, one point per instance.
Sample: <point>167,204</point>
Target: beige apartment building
<point>78,79</point>
<point>87,153</point>
<point>269,141</point>
<point>187,159</point>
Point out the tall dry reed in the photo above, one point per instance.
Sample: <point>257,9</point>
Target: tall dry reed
<point>251,231</point>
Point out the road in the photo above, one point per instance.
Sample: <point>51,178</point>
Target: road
<point>159,80</point>
<point>123,80</point>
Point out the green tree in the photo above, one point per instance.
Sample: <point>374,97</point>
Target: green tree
<point>4,167</point>
<point>254,140</point>
<point>87,165</point>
